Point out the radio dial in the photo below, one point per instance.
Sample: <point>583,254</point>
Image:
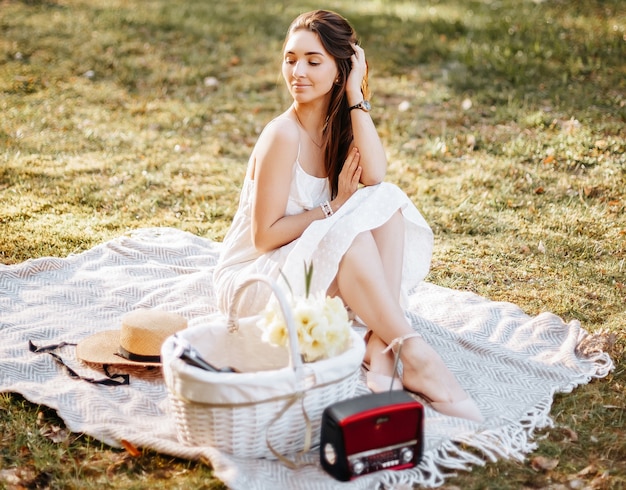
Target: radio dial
<point>406,455</point>
<point>358,467</point>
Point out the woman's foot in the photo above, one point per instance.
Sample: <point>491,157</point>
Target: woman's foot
<point>380,375</point>
<point>426,375</point>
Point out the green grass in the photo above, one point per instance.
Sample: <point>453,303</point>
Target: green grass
<point>503,120</point>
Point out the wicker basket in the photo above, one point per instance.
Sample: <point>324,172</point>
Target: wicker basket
<point>273,406</point>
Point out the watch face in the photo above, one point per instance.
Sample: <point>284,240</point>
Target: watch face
<point>366,105</point>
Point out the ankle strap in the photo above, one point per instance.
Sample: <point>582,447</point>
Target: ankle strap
<point>400,340</point>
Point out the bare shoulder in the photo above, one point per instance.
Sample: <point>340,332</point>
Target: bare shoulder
<point>277,146</point>
<point>280,131</point>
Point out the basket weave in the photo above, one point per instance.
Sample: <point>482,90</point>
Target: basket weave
<point>273,406</point>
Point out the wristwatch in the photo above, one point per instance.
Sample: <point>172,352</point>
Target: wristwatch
<point>363,105</point>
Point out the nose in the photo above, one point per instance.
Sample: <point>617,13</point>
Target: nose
<point>298,69</point>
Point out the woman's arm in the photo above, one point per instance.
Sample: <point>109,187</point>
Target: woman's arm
<point>274,157</point>
<point>366,139</point>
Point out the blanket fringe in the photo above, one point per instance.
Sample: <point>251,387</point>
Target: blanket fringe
<point>510,440</point>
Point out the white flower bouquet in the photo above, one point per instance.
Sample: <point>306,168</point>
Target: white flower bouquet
<point>322,323</point>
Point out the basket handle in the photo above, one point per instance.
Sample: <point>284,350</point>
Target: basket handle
<point>295,360</point>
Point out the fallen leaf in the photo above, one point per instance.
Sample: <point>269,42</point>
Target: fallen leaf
<point>541,463</point>
<point>11,476</point>
<point>589,470</point>
<point>570,434</point>
<point>600,481</point>
<point>23,478</point>
<point>131,448</point>
<point>601,341</point>
<point>404,106</point>
<point>55,433</point>
<point>576,484</point>
<point>541,247</point>
<point>570,126</point>
<point>470,142</point>
<point>211,82</point>
<point>592,191</point>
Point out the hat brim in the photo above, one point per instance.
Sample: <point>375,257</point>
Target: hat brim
<point>103,348</point>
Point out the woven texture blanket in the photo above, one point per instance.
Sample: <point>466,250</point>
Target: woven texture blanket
<point>512,364</point>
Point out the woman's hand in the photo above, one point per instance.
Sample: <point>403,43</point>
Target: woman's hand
<point>357,73</point>
<point>349,178</point>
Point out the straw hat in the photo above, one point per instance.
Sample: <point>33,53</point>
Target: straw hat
<point>137,343</point>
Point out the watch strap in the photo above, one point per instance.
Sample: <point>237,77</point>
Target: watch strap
<point>361,105</point>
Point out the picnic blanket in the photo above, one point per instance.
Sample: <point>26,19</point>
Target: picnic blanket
<point>511,363</point>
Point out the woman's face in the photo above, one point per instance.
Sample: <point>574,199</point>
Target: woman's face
<point>309,70</point>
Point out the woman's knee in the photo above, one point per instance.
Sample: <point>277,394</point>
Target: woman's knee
<point>394,224</point>
<point>361,247</point>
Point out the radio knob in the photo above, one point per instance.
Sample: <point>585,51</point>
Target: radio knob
<point>358,467</point>
<point>406,455</point>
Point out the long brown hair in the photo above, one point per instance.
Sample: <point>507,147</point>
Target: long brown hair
<point>337,37</point>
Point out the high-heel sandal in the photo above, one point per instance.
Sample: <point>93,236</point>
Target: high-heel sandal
<point>379,382</point>
<point>465,408</point>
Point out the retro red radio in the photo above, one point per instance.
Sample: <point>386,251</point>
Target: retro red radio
<point>381,431</point>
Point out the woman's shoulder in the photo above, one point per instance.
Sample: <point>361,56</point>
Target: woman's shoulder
<point>282,127</point>
<point>281,131</point>
<point>277,147</point>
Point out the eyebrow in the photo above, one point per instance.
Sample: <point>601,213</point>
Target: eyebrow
<point>308,53</point>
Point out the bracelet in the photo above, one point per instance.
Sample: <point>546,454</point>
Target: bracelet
<point>328,211</point>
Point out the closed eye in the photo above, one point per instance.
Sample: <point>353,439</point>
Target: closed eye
<point>289,61</point>
<point>312,57</point>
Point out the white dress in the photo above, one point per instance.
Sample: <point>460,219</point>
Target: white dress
<point>323,243</point>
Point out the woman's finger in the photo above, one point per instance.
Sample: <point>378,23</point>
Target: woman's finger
<point>350,175</point>
<point>352,159</point>
<point>354,155</point>
<point>359,53</point>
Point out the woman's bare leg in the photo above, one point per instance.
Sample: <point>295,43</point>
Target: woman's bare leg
<point>363,284</point>
<point>389,240</point>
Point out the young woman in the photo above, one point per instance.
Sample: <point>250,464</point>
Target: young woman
<point>314,193</point>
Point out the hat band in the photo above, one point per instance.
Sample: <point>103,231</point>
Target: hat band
<point>137,357</point>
